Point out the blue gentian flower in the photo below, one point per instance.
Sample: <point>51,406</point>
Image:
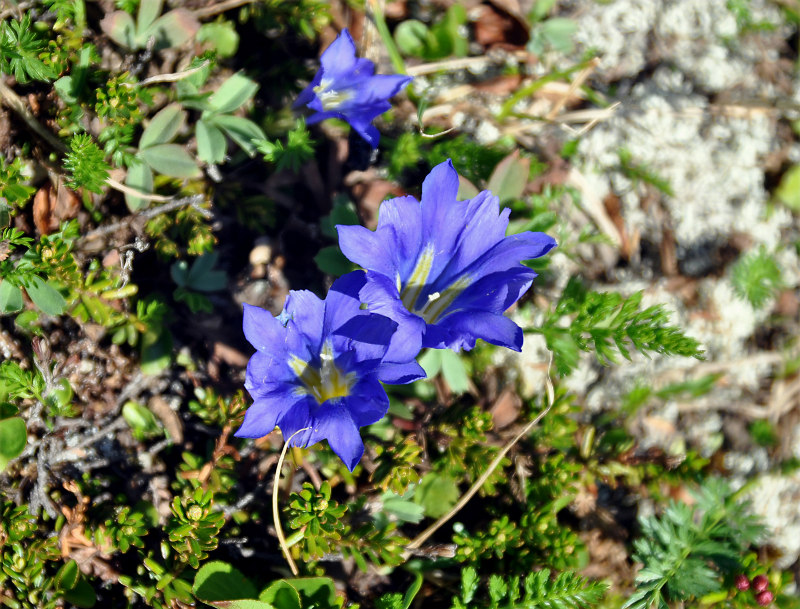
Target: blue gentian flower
<point>345,87</point>
<point>318,365</point>
<point>443,268</point>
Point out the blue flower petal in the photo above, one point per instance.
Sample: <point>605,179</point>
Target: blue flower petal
<point>297,416</point>
<point>367,402</point>
<point>306,312</point>
<point>264,371</point>
<point>400,374</point>
<point>394,246</point>
<point>365,248</point>
<point>380,292</point>
<point>384,86</point>
<point>365,129</point>
<point>460,330</point>
<point>308,93</point>
<point>340,57</point>
<point>321,116</point>
<point>342,434</point>
<point>346,87</point>
<point>261,329</point>
<point>262,417</point>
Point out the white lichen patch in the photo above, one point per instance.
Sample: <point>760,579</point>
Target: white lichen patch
<point>776,498</point>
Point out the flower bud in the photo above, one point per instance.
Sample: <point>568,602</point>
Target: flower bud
<point>764,598</point>
<point>742,583</point>
<point>760,583</point>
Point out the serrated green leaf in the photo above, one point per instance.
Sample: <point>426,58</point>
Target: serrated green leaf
<point>171,160</point>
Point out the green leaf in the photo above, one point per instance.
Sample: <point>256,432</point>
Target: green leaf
<point>222,37</point>
<point>233,93</point>
<point>211,144</point>
<point>149,10</point>
<point>45,296</point>
<point>156,354</point>
<point>454,371</point>
<point>466,189</point>
<point>82,595</point>
<point>171,160</point>
<point>140,177</point>
<point>13,438</point>
<point>10,298</point>
<point>510,177</point>
<point>317,592</point>
<point>67,576</point>
<point>120,28</point>
<point>242,604</point>
<point>65,88</point>
<point>331,261</point>
<point>437,494</point>
<point>201,276</point>
<point>431,362</point>
<point>411,37</point>
<point>281,595</point>
<point>241,130</point>
<point>163,127</point>
<point>402,508</point>
<point>219,581</point>
<point>412,591</point>
<point>142,421</point>
<point>788,191</point>
<point>559,32</point>
<point>171,30</point>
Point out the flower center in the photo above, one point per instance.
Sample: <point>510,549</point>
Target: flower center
<point>323,383</point>
<point>437,302</point>
<point>330,98</point>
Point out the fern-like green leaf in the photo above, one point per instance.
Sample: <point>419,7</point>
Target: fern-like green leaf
<point>20,50</point>
<point>756,277</point>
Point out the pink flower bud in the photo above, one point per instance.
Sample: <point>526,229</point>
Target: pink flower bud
<point>742,583</point>
<point>760,583</point>
<point>764,598</point>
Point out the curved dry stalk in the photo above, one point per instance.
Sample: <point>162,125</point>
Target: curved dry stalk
<point>275,515</point>
<point>423,537</point>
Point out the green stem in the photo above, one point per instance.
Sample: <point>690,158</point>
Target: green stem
<point>386,36</point>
